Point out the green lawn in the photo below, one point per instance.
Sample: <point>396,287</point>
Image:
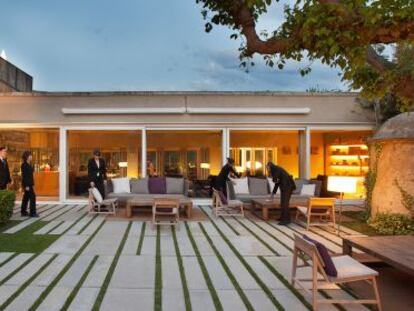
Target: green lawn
<point>24,241</point>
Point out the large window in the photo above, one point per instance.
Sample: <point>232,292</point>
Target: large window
<point>340,153</point>
<point>120,149</point>
<point>44,144</point>
<point>252,149</point>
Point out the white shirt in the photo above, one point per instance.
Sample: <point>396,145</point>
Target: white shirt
<point>97,163</point>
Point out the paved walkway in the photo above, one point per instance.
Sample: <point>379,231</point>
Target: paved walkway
<point>98,263</point>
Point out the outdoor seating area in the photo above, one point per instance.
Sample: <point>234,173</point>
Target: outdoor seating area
<point>96,261</point>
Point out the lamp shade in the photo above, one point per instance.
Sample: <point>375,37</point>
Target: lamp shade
<point>123,164</point>
<point>344,184</point>
<point>205,165</point>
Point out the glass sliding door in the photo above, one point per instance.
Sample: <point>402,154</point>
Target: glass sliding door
<point>121,150</point>
<point>192,154</point>
<point>252,149</point>
<point>44,145</point>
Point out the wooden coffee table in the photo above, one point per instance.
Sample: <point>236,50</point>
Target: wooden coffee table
<point>261,207</point>
<point>185,203</point>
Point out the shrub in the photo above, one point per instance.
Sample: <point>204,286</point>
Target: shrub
<point>392,223</point>
<point>7,199</point>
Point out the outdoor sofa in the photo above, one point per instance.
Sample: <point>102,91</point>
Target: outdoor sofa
<point>260,188</point>
<point>148,188</point>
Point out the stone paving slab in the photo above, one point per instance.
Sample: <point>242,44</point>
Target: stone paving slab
<point>13,264</point>
<point>217,274</point>
<point>75,272</point>
<point>231,300</point>
<point>4,256</point>
<point>80,225</point>
<point>21,225</point>
<point>173,300</point>
<point>148,246</point>
<point>288,300</point>
<point>167,246</point>
<point>67,244</point>
<point>58,212</point>
<point>56,299</point>
<point>201,300</point>
<point>98,272</point>
<point>49,226</point>
<point>134,272</point>
<point>184,244</point>
<point>250,246</point>
<point>26,299</point>
<point>135,229</point>
<point>51,271</point>
<point>260,301</point>
<point>91,228</point>
<point>128,299</point>
<point>243,276</point>
<point>105,243</point>
<point>131,245</point>
<point>193,273</point>
<point>203,245</point>
<point>6,291</point>
<point>85,299</point>
<point>31,268</point>
<point>170,273</point>
<point>271,281</point>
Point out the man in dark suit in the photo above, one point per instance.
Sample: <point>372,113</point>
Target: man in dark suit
<point>223,176</point>
<point>4,169</point>
<point>285,181</point>
<point>97,172</point>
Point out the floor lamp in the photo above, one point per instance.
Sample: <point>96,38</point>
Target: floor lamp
<point>341,184</point>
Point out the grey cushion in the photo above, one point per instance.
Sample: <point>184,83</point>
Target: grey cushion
<point>108,187</point>
<point>139,186</point>
<point>299,182</point>
<point>258,186</point>
<point>124,197</point>
<point>231,194</point>
<point>175,185</point>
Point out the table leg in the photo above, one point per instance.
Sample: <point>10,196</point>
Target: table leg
<point>346,248</point>
<point>265,213</point>
<point>189,208</point>
<point>129,210</point>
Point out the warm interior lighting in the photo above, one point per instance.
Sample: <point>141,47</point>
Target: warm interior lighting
<point>239,169</point>
<point>362,146</point>
<point>205,165</point>
<point>347,166</point>
<point>342,184</point>
<point>257,165</point>
<point>354,156</point>
<point>123,164</point>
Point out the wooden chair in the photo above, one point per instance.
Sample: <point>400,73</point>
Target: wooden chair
<point>232,208</point>
<point>96,205</point>
<point>165,211</point>
<point>322,208</point>
<point>349,270</point>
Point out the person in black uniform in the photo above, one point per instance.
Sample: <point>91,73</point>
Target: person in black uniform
<point>223,176</point>
<point>97,172</point>
<point>285,181</point>
<point>28,185</point>
<point>4,169</point>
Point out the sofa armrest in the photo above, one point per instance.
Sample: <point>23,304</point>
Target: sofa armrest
<point>186,187</point>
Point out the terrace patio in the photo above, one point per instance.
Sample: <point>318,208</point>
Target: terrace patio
<point>68,260</point>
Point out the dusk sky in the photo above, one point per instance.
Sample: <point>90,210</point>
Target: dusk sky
<point>93,45</point>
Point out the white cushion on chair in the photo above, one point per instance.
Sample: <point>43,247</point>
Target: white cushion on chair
<point>272,185</point>
<point>97,195</point>
<point>308,189</point>
<point>349,268</point>
<point>241,185</point>
<point>303,210</point>
<point>121,185</point>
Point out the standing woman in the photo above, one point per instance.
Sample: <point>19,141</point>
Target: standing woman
<point>28,185</point>
<point>285,181</point>
<point>97,172</point>
<point>223,176</point>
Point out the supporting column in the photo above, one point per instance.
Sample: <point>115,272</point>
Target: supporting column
<point>305,153</point>
<point>63,167</point>
<point>225,145</point>
<point>144,153</point>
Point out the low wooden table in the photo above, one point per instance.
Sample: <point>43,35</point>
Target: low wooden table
<point>185,203</point>
<point>397,251</point>
<point>261,207</point>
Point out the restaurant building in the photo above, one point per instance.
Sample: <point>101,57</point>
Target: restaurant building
<point>177,134</point>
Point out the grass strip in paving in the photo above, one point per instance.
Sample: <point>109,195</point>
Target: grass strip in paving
<point>78,286</point>
<point>263,286</point>
<point>60,222</point>
<point>226,268</point>
<point>65,269</point>
<point>210,286</point>
<point>186,292</point>
<point>158,273</point>
<point>75,223</point>
<point>230,226</point>
<point>27,283</point>
<point>141,238</point>
<point>258,237</point>
<point>87,224</point>
<point>105,284</point>
<point>286,283</point>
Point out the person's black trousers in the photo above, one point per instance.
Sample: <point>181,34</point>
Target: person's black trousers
<point>284,204</point>
<point>99,184</point>
<point>221,185</point>
<point>29,196</point>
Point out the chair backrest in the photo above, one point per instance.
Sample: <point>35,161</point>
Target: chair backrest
<point>321,204</point>
<point>310,250</point>
<point>216,199</point>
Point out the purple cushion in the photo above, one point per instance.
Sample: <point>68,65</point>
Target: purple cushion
<point>157,185</point>
<point>223,198</point>
<point>329,266</point>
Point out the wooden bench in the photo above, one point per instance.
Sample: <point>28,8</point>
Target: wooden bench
<point>397,251</point>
